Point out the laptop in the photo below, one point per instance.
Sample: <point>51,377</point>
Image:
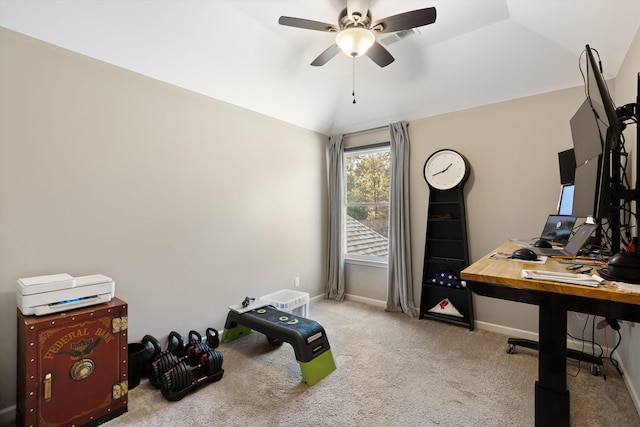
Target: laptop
<point>575,243</point>
<point>558,228</point>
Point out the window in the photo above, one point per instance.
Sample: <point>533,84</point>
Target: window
<point>367,175</point>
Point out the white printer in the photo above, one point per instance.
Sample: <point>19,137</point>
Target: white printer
<point>60,292</point>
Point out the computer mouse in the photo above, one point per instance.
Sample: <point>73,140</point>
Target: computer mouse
<point>525,254</point>
<point>625,267</point>
<point>542,243</point>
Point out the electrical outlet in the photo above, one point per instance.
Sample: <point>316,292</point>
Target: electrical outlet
<point>296,282</point>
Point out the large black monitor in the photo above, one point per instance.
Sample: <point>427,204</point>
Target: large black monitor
<point>567,164</point>
<point>595,129</point>
<point>588,137</point>
<point>591,192</point>
<point>598,94</point>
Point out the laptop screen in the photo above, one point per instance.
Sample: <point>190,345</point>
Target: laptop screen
<point>558,228</point>
<point>580,238</point>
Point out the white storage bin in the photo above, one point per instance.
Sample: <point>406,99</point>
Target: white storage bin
<point>294,302</point>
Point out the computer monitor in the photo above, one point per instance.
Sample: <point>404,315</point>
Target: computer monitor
<point>595,130</point>
<point>598,94</point>
<point>567,165</point>
<point>565,204</point>
<point>591,192</point>
<point>586,134</point>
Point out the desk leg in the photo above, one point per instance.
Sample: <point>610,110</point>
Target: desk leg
<point>552,396</point>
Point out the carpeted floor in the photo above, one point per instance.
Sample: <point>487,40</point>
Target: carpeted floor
<point>391,371</point>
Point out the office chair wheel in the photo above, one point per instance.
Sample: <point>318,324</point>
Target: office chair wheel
<point>511,348</point>
<point>595,369</point>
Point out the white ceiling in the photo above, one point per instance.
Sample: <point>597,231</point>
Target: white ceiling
<point>477,52</point>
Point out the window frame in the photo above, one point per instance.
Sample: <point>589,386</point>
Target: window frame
<point>368,260</point>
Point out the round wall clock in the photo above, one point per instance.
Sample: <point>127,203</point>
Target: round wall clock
<point>446,169</point>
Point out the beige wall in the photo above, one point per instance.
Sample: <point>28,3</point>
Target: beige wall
<point>190,204</point>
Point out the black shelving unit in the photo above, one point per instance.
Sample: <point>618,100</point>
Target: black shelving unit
<point>446,250</point>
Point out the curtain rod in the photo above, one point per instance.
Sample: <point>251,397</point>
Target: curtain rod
<point>360,132</point>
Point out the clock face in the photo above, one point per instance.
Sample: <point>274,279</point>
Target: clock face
<point>445,169</point>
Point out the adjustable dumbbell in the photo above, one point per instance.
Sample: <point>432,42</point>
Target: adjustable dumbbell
<point>182,376</point>
<point>161,361</point>
<point>177,351</point>
<point>194,348</point>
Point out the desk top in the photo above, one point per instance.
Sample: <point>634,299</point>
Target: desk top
<point>507,273</point>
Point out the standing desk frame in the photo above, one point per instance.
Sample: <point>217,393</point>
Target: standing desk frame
<point>502,279</point>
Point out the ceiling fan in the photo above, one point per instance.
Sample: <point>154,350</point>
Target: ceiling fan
<point>356,31</point>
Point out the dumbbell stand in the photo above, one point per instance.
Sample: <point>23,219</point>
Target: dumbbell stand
<point>306,336</point>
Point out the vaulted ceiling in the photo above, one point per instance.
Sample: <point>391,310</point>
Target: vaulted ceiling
<point>477,52</point>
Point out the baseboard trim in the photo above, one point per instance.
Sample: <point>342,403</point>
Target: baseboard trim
<point>635,396</point>
<point>505,330</point>
<point>370,301</point>
<point>355,298</point>
<point>316,298</point>
<point>8,416</point>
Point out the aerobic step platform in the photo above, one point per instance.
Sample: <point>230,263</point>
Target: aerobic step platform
<point>306,336</point>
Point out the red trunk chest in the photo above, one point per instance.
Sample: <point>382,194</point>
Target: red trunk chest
<point>72,366</point>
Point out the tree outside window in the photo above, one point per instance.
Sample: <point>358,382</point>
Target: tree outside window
<point>367,174</point>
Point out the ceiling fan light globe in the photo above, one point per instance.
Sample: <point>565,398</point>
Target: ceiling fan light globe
<point>355,41</point>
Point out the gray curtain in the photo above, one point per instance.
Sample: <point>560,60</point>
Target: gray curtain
<point>400,284</point>
<point>335,281</point>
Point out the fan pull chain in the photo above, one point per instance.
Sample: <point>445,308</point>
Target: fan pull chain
<point>353,83</point>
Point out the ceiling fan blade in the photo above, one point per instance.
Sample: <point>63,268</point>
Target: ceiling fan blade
<point>405,21</point>
<point>307,24</point>
<point>380,55</point>
<point>325,56</point>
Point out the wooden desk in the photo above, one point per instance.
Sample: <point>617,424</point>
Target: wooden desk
<point>501,279</point>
